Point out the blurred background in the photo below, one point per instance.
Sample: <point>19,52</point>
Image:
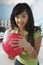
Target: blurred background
<point>6,7</point>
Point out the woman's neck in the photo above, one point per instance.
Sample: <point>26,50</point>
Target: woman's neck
<point>22,31</point>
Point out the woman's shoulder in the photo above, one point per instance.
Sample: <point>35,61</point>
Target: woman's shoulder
<point>37,32</point>
<point>37,28</point>
<point>7,32</point>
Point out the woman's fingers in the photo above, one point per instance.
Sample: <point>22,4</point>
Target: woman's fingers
<point>11,58</point>
<point>14,39</point>
<point>20,37</point>
<point>16,44</point>
<point>17,47</point>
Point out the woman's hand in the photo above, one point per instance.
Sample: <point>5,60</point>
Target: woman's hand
<point>11,57</point>
<point>19,42</point>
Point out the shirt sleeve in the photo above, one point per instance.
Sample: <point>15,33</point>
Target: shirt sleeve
<point>37,34</point>
<point>7,32</point>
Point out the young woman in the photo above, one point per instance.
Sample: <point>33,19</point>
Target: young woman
<point>22,22</point>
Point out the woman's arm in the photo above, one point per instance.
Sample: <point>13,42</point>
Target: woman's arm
<point>33,52</point>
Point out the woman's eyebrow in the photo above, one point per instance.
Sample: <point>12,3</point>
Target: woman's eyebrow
<point>24,14</point>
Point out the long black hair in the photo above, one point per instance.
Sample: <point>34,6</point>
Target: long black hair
<point>18,9</point>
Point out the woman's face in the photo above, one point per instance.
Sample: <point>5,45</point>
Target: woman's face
<point>22,19</point>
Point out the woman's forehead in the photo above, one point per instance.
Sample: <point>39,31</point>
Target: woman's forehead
<point>23,13</point>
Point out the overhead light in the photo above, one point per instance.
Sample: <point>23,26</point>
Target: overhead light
<point>5,1</point>
<point>30,2</point>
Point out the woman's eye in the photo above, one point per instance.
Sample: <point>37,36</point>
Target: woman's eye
<point>23,16</point>
<point>17,17</point>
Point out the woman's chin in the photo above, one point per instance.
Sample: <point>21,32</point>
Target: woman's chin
<point>21,26</point>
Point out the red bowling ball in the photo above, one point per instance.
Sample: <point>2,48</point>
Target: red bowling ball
<point>7,46</point>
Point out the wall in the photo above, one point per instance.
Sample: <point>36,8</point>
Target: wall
<point>5,11</point>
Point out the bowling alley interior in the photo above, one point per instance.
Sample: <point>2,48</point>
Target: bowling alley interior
<point>6,7</point>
